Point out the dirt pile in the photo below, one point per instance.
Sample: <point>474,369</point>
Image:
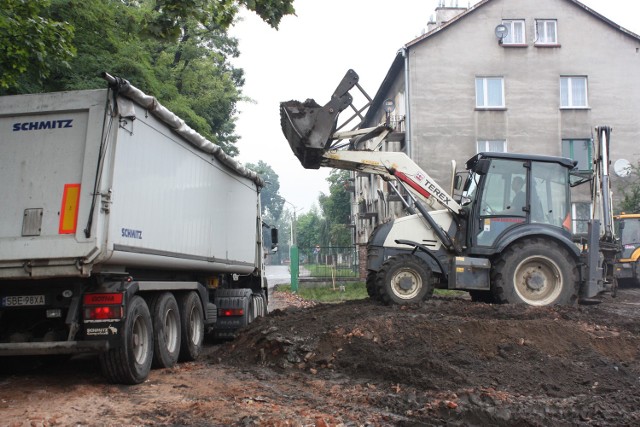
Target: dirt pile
<point>457,362</point>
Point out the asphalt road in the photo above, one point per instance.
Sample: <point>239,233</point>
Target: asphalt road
<point>277,275</point>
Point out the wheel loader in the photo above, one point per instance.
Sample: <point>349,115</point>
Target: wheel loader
<point>507,237</point>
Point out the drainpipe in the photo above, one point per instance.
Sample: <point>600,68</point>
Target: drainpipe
<point>407,110</point>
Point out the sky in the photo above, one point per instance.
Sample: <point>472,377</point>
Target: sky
<point>310,53</point>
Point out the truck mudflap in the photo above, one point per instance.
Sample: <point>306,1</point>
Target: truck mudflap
<point>233,311</point>
<point>309,127</point>
<point>53,347</point>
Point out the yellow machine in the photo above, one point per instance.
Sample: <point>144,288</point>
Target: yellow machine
<point>628,230</point>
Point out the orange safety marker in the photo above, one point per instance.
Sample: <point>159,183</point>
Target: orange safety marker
<point>69,210</point>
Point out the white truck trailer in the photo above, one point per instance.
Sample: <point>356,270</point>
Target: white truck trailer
<point>123,232</point>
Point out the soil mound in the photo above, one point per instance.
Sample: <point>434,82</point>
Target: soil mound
<point>457,362</point>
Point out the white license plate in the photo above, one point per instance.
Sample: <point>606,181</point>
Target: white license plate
<point>22,300</point>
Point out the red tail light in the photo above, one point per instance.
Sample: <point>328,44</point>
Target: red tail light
<point>103,313</point>
<point>226,312</point>
<point>103,306</point>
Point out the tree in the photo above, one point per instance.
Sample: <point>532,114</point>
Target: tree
<point>31,41</point>
<point>270,199</point>
<point>177,50</point>
<point>309,229</point>
<point>630,190</point>
<point>336,208</point>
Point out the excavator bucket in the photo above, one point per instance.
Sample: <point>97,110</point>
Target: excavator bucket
<point>309,127</point>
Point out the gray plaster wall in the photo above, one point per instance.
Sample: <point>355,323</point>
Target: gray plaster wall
<point>445,123</point>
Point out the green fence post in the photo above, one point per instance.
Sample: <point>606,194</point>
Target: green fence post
<point>294,266</point>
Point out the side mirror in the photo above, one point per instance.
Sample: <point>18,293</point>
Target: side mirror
<point>457,182</point>
<point>274,238</point>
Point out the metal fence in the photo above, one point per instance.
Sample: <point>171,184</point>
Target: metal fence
<point>328,263</point>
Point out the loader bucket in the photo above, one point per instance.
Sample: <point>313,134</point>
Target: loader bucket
<point>309,127</point>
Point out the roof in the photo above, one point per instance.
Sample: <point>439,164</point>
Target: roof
<point>563,161</point>
<point>398,63</point>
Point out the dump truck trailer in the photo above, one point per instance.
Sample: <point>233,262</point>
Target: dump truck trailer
<point>123,232</point>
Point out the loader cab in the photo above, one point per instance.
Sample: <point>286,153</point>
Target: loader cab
<point>509,194</point>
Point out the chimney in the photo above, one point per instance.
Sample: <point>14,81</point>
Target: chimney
<point>431,24</point>
<point>445,13</point>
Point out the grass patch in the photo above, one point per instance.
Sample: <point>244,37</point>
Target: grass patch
<point>321,270</point>
<point>352,291</point>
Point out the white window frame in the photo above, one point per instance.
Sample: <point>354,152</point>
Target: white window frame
<point>542,28</point>
<point>483,145</point>
<point>571,83</point>
<point>513,25</point>
<point>484,96</point>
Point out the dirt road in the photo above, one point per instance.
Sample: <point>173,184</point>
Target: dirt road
<point>445,362</point>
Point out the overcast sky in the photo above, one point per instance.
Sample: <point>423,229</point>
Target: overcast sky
<point>308,56</point>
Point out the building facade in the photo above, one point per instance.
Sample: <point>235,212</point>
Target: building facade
<point>524,76</point>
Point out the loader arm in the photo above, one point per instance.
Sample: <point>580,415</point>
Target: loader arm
<point>392,166</point>
<point>311,132</point>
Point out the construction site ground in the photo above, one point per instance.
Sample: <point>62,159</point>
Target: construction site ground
<point>448,361</point>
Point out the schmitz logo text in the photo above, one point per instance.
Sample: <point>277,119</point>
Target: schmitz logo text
<point>43,124</point>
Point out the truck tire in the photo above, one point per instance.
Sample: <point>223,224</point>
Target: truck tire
<point>372,287</point>
<point>536,272</point>
<point>166,329</point>
<point>191,325</point>
<point>258,306</point>
<point>131,362</point>
<point>404,279</point>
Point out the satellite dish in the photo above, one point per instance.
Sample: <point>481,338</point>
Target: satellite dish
<point>622,168</point>
<point>501,32</point>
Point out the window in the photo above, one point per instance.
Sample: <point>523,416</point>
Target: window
<point>546,32</point>
<point>573,92</point>
<point>489,92</point>
<point>579,150</point>
<point>495,145</point>
<point>580,213</point>
<point>515,35</point>
<point>550,195</point>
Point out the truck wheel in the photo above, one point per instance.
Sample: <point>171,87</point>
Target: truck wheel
<point>166,330</point>
<point>404,279</point>
<point>131,362</point>
<point>537,272</point>
<point>258,305</point>
<point>372,287</point>
<point>191,325</point>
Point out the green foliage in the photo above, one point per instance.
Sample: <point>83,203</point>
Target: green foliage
<point>176,50</point>
<point>329,294</point>
<point>337,208</point>
<point>311,230</point>
<point>270,199</point>
<point>31,42</point>
<point>630,190</point>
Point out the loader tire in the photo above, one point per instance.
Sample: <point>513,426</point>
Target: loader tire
<point>372,287</point>
<point>192,326</point>
<point>537,272</point>
<point>166,329</point>
<point>404,279</point>
<point>131,362</point>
